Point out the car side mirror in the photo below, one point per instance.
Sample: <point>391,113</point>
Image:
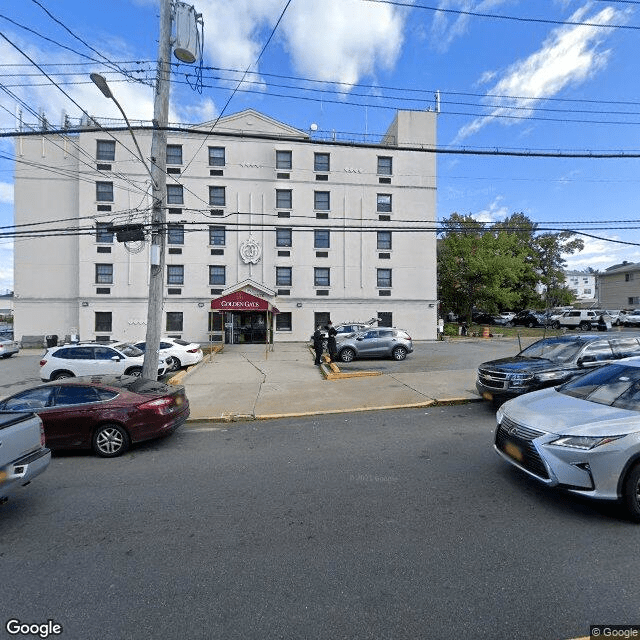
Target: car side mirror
<point>360,338</point>
<point>586,360</point>
<point>115,358</point>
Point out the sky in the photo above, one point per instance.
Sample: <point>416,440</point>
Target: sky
<point>525,83</point>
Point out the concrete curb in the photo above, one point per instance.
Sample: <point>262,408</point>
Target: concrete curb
<point>181,375</point>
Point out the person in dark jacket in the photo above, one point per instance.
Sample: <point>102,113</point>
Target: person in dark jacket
<point>318,340</point>
<point>332,347</point>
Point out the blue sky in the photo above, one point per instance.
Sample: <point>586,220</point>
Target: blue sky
<point>554,76</point>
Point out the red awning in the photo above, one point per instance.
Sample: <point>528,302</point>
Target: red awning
<point>241,301</point>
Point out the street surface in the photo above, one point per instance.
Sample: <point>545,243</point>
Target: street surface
<point>395,525</point>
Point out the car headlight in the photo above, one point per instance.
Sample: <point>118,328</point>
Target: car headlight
<point>499,415</point>
<point>550,375</point>
<point>583,442</point>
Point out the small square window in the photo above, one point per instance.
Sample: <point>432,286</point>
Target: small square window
<point>175,194</point>
<point>216,157</point>
<point>283,276</point>
<point>385,319</point>
<point>104,191</point>
<point>175,234</point>
<point>283,199</point>
<point>106,150</point>
<point>175,274</point>
<point>217,196</point>
<point>174,154</point>
<point>174,321</point>
<point>104,274</point>
<point>384,203</point>
<point>283,237</point>
<point>217,236</point>
<point>385,165</point>
<point>103,321</point>
<point>321,277</point>
<point>321,162</point>
<point>321,200</point>
<point>384,278</point>
<point>321,239</point>
<point>283,321</point>
<point>103,235</point>
<point>217,275</point>
<point>283,159</point>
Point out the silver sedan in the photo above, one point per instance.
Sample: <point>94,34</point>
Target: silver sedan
<point>583,436</point>
<point>8,348</point>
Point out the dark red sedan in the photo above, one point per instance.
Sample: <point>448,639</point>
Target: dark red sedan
<point>103,413</point>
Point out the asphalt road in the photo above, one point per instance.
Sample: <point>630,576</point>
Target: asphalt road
<point>388,525</point>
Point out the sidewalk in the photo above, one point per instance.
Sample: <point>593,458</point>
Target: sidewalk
<point>245,382</point>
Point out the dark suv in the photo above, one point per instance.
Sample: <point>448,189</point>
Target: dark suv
<point>550,362</point>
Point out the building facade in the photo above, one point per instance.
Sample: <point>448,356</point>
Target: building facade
<point>582,285</point>
<point>256,210</point>
<point>619,286</point>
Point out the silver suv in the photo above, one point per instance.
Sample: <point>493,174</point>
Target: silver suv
<point>382,342</point>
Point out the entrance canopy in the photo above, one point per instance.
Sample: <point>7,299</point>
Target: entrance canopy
<point>242,301</point>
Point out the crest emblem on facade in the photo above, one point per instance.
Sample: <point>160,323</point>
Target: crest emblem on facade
<point>250,250</point>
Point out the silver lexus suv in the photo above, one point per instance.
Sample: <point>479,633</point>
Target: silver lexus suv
<point>381,342</point>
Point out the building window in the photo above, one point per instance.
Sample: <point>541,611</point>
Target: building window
<point>321,277</point>
<point>217,196</point>
<point>283,199</point>
<point>321,200</point>
<point>103,321</point>
<point>385,165</point>
<point>385,319</point>
<point>217,275</point>
<point>216,157</point>
<point>104,191</point>
<point>175,274</point>
<point>283,159</point>
<point>283,321</point>
<point>384,240</point>
<point>175,234</point>
<point>104,274</point>
<point>175,194</point>
<point>217,236</point>
<point>283,237</point>
<point>384,278</point>
<point>587,292</point>
<point>103,235</point>
<point>384,203</point>
<point>283,276</point>
<point>174,154</point>
<point>106,150</point>
<point>321,162</point>
<point>174,321</point>
<point>628,277</point>
<point>321,239</point>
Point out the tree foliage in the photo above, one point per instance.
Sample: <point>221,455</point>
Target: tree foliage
<point>499,266</point>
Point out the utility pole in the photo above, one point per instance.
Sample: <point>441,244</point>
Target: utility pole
<point>158,194</point>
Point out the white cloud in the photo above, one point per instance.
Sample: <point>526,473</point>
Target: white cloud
<point>570,55</point>
<point>602,253</point>
<point>6,193</point>
<point>494,212</point>
<point>332,40</point>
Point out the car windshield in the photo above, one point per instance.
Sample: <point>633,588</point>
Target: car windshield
<point>129,350</point>
<point>553,349</point>
<point>614,385</point>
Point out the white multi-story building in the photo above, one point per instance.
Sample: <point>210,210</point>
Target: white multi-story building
<point>582,284</point>
<point>267,229</point>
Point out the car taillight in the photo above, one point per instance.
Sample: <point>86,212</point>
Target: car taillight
<point>161,405</point>
<point>193,350</point>
<point>42,439</point>
<point>43,362</point>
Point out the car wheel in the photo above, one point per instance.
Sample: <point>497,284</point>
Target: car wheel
<point>556,325</point>
<point>616,323</point>
<point>62,375</point>
<point>110,440</point>
<point>585,326</point>
<point>631,493</point>
<point>399,353</point>
<point>134,371</point>
<point>174,363</point>
<point>510,324</point>
<point>347,355</point>
<point>531,324</point>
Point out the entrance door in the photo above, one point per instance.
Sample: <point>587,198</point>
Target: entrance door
<point>247,327</point>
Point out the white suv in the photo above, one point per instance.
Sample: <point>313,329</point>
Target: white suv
<point>577,318</point>
<point>93,358</point>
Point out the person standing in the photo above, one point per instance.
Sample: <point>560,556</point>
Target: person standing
<point>318,340</point>
<point>331,342</point>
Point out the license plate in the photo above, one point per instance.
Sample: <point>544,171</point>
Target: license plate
<point>487,396</point>
<point>179,400</point>
<point>3,475</point>
<point>514,451</point>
